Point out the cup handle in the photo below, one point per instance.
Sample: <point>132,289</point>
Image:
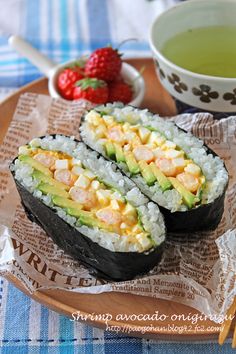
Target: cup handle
<point>44,64</point>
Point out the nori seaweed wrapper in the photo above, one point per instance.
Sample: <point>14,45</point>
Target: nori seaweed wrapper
<point>101,262</point>
<point>205,217</point>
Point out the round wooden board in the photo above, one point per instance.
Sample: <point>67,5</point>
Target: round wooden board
<point>157,100</point>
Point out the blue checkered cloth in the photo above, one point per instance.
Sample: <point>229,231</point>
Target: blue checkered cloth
<point>65,29</point>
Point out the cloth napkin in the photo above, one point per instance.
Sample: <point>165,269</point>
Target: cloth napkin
<point>65,29</point>
<point>62,30</point>
<point>28,327</point>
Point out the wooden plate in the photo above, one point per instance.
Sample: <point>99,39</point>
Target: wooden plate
<point>159,101</point>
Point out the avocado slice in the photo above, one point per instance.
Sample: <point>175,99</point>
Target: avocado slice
<point>140,222</point>
<point>153,242</point>
<point>46,188</point>
<point>199,193</point>
<point>93,222</point>
<point>87,218</point>
<point>35,164</point>
<point>131,163</point>
<point>47,179</point>
<point>147,173</point>
<point>120,157</point>
<point>78,212</point>
<point>188,198</point>
<point>201,188</point>
<point>102,113</point>
<point>110,150</point>
<point>161,178</point>
<point>149,127</point>
<point>65,203</point>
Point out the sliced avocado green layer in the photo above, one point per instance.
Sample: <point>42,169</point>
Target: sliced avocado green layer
<point>46,188</point>
<point>189,198</point>
<point>78,213</point>
<point>120,157</point>
<point>140,223</point>
<point>201,188</point>
<point>110,150</point>
<point>65,203</point>
<point>131,163</point>
<point>149,127</point>
<point>35,164</point>
<point>146,172</point>
<point>92,222</point>
<point>87,218</point>
<point>163,181</point>
<point>47,179</point>
<point>153,242</point>
<point>199,193</point>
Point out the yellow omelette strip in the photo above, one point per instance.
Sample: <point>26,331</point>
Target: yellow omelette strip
<point>227,323</point>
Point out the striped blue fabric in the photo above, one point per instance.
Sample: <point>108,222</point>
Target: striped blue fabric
<point>65,29</point>
<point>53,333</point>
<point>62,30</point>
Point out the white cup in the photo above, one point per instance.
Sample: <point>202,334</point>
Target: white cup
<point>209,93</point>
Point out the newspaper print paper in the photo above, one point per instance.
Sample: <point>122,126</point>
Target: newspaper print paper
<point>198,270</point>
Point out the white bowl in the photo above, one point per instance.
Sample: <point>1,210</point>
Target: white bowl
<point>128,72</point>
<point>210,93</point>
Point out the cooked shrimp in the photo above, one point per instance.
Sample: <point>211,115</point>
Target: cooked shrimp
<point>158,152</point>
<point>82,196</point>
<point>179,163</point>
<point>173,153</point>
<point>45,159</point>
<point>109,216</point>
<point>64,176</point>
<point>193,169</point>
<point>142,153</point>
<point>189,181</point>
<point>166,166</point>
<point>115,134</point>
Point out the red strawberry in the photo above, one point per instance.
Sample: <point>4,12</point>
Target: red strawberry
<point>120,91</point>
<point>104,64</point>
<point>93,90</point>
<point>66,80</point>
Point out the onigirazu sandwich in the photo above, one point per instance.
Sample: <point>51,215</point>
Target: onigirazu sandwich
<point>171,167</point>
<point>88,207</point>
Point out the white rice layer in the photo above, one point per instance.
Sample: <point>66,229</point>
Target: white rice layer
<point>108,172</point>
<point>212,166</point>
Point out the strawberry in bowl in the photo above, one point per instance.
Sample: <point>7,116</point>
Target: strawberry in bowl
<point>103,64</point>
<point>120,91</point>
<point>102,78</point>
<point>91,89</point>
<point>67,79</point>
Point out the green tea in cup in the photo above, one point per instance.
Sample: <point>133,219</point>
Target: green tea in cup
<point>194,49</point>
<point>204,50</point>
